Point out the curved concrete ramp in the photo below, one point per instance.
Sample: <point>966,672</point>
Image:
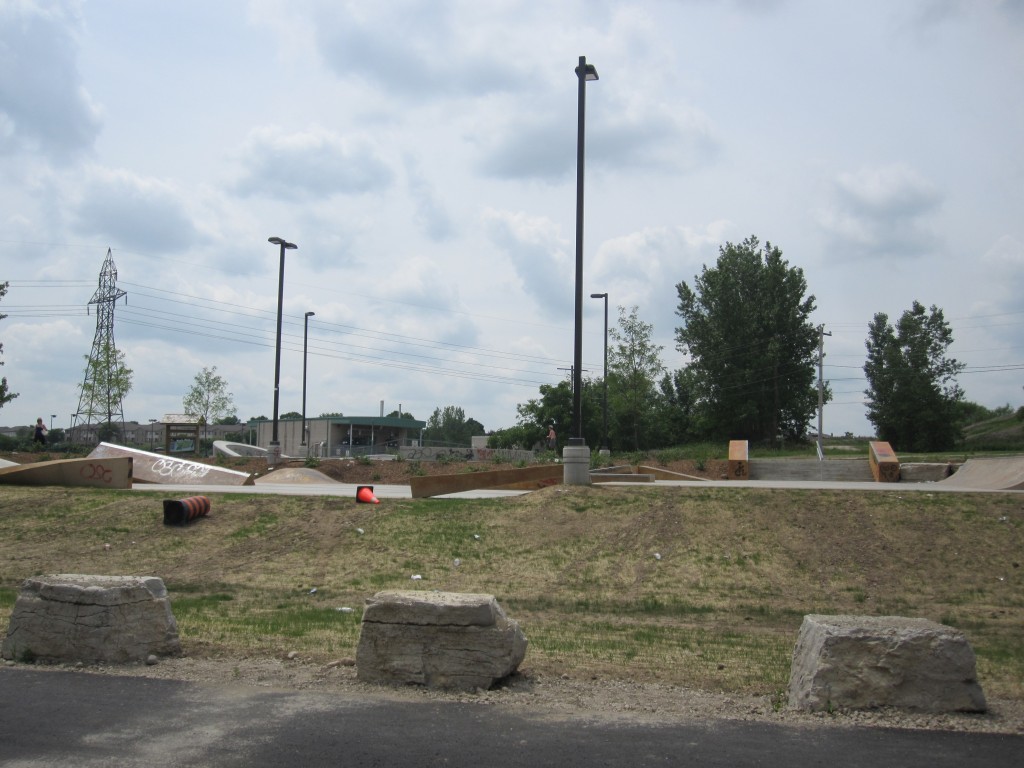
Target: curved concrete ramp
<point>1005,473</point>
<point>294,475</point>
<point>108,472</point>
<point>235,450</point>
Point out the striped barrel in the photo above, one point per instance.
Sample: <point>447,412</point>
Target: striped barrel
<point>184,511</point>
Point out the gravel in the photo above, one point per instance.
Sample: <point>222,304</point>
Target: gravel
<point>559,697</point>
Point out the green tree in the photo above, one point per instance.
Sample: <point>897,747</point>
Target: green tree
<point>107,382</point>
<point>746,326</point>
<point>554,409</point>
<point>209,399</point>
<point>634,366</point>
<point>912,391</point>
<point>400,415</point>
<point>5,394</point>
<point>449,426</point>
<point>675,410</point>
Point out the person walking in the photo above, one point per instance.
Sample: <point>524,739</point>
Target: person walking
<point>40,433</point>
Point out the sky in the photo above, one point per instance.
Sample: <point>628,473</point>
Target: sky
<point>422,156</point>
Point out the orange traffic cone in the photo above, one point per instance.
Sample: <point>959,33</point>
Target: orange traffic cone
<point>364,495</point>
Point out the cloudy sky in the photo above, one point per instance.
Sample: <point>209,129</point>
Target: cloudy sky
<point>422,155</point>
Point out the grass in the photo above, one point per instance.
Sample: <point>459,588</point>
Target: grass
<point>699,587</point>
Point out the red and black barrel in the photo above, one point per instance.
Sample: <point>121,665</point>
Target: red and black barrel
<point>184,511</point>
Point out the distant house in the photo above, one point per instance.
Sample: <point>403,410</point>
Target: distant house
<point>329,436</point>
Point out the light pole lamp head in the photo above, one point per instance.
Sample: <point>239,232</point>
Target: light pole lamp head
<point>310,314</point>
<point>599,295</point>
<point>282,242</point>
<point>588,71</point>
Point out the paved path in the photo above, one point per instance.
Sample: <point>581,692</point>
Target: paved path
<point>404,492</point>
<point>62,718</point>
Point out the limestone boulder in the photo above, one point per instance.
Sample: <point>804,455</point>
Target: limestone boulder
<point>447,640</point>
<point>864,662</point>
<point>75,617</point>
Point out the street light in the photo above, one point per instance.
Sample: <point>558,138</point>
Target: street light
<point>305,340</point>
<point>584,72</point>
<point>274,454</point>
<point>52,417</point>
<point>577,467</point>
<point>604,445</point>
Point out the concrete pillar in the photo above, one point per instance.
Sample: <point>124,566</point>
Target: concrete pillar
<point>576,462</point>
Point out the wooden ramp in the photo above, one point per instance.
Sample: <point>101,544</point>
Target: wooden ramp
<point>108,472</point>
<point>168,470</point>
<point>525,479</point>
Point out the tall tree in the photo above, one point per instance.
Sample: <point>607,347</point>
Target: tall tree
<point>5,395</point>
<point>634,365</point>
<point>912,390</point>
<point>746,326</point>
<point>209,399</point>
<point>450,426</point>
<point>554,409</point>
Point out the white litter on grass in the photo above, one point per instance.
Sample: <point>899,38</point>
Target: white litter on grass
<point>657,555</point>
<point>359,531</point>
<point>312,591</point>
<point>476,536</point>
<point>457,562</point>
<point>415,577</point>
<point>344,609</point>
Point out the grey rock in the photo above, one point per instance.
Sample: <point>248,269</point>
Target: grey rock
<point>864,662</point>
<point>445,640</point>
<point>85,618</point>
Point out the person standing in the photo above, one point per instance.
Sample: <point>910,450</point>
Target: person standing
<point>40,433</point>
<point>552,441</point>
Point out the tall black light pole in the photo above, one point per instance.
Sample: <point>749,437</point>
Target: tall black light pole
<point>584,72</point>
<point>305,341</point>
<point>604,445</point>
<point>274,455</point>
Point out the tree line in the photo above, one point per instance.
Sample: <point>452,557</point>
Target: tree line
<point>745,324</point>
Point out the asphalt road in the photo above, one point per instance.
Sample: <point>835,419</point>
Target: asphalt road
<point>64,718</point>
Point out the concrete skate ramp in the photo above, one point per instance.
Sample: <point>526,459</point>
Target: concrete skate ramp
<point>293,475</point>
<point>168,470</point>
<point>1005,473</point>
<point>113,472</point>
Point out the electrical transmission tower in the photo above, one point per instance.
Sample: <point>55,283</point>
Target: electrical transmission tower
<point>100,399</point>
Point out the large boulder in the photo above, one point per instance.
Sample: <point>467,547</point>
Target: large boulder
<point>444,640</point>
<point>863,662</point>
<point>74,617</point>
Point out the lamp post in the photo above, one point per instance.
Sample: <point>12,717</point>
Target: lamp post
<point>576,454</point>
<point>274,454</point>
<point>305,341</point>
<point>604,445</point>
<point>52,417</point>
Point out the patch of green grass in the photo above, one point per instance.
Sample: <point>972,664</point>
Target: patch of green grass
<point>263,523</point>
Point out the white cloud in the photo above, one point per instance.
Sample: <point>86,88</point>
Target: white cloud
<point>128,211</point>
<point>544,261</point>
<point>310,165</point>
<point>44,106</point>
<point>883,211</point>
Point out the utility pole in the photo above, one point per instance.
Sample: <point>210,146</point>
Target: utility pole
<point>821,383</point>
